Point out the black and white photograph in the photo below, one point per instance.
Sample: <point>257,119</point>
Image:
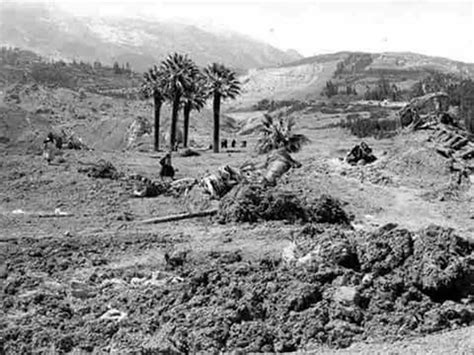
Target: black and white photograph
<point>236,177</point>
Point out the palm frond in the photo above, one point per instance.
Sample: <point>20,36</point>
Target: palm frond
<point>152,83</point>
<point>179,74</point>
<point>222,80</point>
<point>276,132</point>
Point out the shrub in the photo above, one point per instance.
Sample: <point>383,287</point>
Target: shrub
<point>370,127</point>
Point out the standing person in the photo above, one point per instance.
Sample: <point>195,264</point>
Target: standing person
<point>167,169</point>
<point>49,150</point>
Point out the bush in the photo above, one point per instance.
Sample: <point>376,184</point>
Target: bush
<point>466,93</point>
<point>53,75</point>
<point>370,127</point>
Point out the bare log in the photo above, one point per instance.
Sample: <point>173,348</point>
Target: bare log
<point>178,217</point>
<point>52,215</point>
<point>447,138</point>
<point>444,151</point>
<point>468,155</point>
<point>460,144</point>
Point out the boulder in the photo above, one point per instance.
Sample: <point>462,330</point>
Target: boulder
<point>346,295</point>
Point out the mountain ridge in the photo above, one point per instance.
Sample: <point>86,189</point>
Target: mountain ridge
<point>56,34</point>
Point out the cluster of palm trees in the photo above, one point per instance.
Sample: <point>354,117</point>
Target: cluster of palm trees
<point>179,81</point>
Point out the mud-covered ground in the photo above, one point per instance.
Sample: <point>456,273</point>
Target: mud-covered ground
<point>331,287</point>
<point>99,280</point>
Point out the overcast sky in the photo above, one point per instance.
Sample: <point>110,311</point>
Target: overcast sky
<point>311,27</point>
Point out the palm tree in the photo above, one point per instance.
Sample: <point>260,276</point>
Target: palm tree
<point>194,98</point>
<point>223,84</point>
<point>277,133</point>
<point>178,72</point>
<point>152,86</point>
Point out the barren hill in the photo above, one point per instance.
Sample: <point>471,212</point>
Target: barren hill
<point>307,77</point>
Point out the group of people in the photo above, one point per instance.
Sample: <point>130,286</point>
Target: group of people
<point>233,144</point>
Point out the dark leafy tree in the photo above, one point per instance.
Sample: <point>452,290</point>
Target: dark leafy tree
<point>331,89</point>
<point>223,84</point>
<point>116,68</point>
<point>194,98</point>
<point>178,73</point>
<point>383,90</point>
<point>152,86</point>
<point>466,93</point>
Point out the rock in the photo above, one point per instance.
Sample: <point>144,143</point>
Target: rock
<point>310,260</point>
<point>3,271</point>
<point>81,290</point>
<point>384,250</point>
<point>346,295</point>
<point>367,280</point>
<point>303,297</point>
<point>44,110</point>
<point>52,285</point>
<point>114,315</point>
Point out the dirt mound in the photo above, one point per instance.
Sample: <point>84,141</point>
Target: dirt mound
<point>384,250</point>
<point>253,202</point>
<point>337,290</point>
<point>443,264</point>
<point>417,164</point>
<point>22,130</point>
<point>101,170</point>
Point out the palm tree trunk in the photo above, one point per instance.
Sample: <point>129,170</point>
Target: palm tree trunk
<point>158,103</point>
<point>174,122</point>
<point>216,109</point>
<point>187,111</point>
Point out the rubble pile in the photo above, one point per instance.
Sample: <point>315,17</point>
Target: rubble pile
<point>66,139</point>
<point>361,154</point>
<point>422,111</point>
<point>254,202</point>
<point>455,144</point>
<point>101,170</point>
<point>146,187</point>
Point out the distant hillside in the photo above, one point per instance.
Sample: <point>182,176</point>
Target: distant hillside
<point>24,66</point>
<point>56,34</point>
<point>29,111</point>
<point>307,77</point>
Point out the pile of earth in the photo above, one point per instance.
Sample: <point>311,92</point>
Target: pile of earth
<point>417,164</point>
<point>103,169</point>
<point>334,287</point>
<point>254,202</point>
<point>21,130</point>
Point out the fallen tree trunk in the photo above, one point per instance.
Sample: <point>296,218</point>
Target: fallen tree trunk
<point>467,155</point>
<point>178,217</point>
<point>52,215</point>
<point>445,152</point>
<point>458,145</point>
<point>42,214</point>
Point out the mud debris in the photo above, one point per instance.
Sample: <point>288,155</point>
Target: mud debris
<point>254,202</point>
<point>101,170</point>
<point>419,282</point>
<point>361,154</point>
